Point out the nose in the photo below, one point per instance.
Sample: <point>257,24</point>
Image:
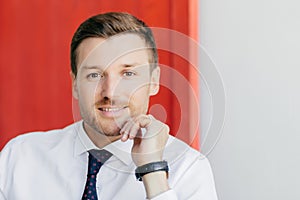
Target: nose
<point>108,86</point>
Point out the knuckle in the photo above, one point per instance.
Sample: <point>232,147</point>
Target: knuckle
<point>166,128</point>
<point>136,124</point>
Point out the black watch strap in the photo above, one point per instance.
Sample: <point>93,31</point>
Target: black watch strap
<point>151,167</point>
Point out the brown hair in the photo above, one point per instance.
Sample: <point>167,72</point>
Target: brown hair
<point>107,25</point>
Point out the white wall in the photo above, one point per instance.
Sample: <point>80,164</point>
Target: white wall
<point>255,45</point>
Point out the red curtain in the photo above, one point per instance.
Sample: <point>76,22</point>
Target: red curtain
<point>35,89</point>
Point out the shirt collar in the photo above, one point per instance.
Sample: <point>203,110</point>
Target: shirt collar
<point>119,149</point>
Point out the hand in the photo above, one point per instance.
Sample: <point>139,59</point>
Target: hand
<point>149,146</point>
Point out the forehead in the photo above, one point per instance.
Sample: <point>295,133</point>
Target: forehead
<point>120,48</point>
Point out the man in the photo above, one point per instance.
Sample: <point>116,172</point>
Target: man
<point>114,72</point>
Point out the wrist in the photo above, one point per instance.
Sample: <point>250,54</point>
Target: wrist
<point>155,183</point>
<point>145,158</point>
<point>154,176</point>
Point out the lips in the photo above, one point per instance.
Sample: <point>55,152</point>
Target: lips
<point>111,111</point>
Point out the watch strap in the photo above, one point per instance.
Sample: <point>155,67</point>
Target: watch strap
<point>151,167</point>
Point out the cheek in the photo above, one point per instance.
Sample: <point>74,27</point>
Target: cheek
<point>87,92</point>
<point>134,87</point>
<point>139,99</point>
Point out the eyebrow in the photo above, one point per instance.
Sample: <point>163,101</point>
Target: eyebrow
<point>127,65</point>
<point>90,67</point>
<point>131,65</point>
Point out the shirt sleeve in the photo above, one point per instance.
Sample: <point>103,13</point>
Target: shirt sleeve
<point>168,195</point>
<point>192,181</point>
<point>195,180</point>
<point>5,159</point>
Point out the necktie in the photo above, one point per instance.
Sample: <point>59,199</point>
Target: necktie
<point>96,159</point>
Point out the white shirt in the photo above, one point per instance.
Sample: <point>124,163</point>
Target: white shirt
<point>53,165</point>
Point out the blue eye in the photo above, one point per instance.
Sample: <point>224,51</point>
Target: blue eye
<point>94,76</point>
<point>129,73</point>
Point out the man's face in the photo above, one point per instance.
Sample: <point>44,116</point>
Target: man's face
<point>113,82</point>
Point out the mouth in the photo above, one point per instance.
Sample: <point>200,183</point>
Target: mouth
<point>109,111</point>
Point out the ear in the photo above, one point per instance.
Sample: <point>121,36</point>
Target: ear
<point>74,85</point>
<point>154,85</point>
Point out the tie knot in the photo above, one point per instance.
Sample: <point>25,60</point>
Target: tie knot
<point>96,159</point>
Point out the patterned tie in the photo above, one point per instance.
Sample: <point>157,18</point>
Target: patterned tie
<point>96,160</point>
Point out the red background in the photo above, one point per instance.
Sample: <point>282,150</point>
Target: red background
<point>35,89</point>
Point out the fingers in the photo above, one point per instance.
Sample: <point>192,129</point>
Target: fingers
<point>125,130</point>
<point>131,129</point>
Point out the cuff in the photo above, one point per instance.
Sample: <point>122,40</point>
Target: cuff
<point>168,195</point>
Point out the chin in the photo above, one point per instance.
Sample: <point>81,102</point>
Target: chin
<point>111,134</point>
<point>110,127</point>
<point>110,131</point>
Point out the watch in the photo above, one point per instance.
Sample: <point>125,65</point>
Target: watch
<point>151,167</point>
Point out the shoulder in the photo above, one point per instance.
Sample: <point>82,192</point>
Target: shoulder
<point>177,149</point>
<point>40,140</point>
<point>181,155</point>
<point>34,152</point>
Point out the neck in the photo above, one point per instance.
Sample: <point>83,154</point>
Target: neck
<point>99,139</point>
